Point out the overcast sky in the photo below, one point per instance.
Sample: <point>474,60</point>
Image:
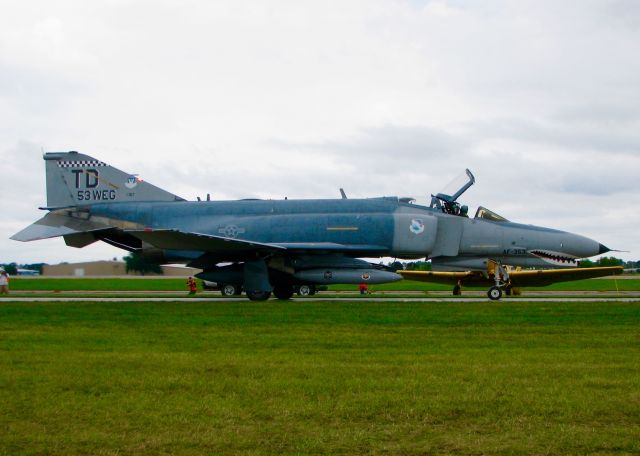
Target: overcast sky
<point>540,99</point>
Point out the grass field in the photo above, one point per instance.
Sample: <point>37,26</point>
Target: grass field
<point>90,284</point>
<point>179,284</point>
<point>300,378</point>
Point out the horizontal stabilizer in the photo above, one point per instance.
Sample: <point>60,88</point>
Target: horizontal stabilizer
<point>56,224</point>
<point>178,240</point>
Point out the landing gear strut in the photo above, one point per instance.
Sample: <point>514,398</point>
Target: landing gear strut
<point>501,276</point>
<point>256,280</point>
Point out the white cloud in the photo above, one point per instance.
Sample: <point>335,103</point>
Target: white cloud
<point>243,99</point>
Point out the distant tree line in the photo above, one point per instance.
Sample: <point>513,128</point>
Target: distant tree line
<point>410,265</point>
<point>136,262</point>
<point>609,261</point>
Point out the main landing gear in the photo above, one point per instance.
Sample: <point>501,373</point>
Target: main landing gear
<point>306,290</point>
<point>283,291</point>
<point>287,291</point>
<point>258,295</point>
<point>230,289</point>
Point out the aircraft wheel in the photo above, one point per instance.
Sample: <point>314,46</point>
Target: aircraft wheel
<point>230,289</point>
<point>283,291</point>
<point>258,295</point>
<point>305,290</point>
<point>494,293</point>
<point>457,290</point>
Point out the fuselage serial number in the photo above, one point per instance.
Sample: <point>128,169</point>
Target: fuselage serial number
<point>514,252</point>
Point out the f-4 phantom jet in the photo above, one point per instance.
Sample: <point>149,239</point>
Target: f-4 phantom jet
<point>273,246</point>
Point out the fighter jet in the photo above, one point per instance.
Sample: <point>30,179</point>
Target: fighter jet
<point>265,246</point>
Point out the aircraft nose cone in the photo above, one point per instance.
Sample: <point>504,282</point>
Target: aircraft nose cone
<point>580,246</point>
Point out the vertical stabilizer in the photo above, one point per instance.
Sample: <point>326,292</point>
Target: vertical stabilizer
<point>75,179</point>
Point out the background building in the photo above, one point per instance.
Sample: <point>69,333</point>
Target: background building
<point>109,268</point>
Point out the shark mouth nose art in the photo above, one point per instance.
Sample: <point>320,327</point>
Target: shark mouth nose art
<point>555,258</point>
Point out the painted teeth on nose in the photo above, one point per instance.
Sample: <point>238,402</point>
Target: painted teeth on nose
<point>551,257</point>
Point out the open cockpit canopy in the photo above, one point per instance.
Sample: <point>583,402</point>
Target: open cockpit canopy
<point>447,200</point>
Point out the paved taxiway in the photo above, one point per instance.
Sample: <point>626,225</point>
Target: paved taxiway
<point>318,299</point>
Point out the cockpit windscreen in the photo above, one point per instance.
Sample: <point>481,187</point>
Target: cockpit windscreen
<point>487,214</point>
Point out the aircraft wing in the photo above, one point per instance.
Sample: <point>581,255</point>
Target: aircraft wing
<point>56,224</point>
<point>529,278</point>
<point>526,278</point>
<point>179,240</point>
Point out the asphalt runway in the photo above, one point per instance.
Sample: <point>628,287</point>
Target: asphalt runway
<point>378,294</point>
<point>318,299</point>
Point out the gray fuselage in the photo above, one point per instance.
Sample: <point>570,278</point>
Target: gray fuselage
<point>373,227</point>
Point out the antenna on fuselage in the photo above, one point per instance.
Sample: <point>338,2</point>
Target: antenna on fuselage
<point>344,195</point>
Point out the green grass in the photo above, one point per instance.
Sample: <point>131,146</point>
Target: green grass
<point>300,378</point>
<point>106,284</point>
<point>179,284</point>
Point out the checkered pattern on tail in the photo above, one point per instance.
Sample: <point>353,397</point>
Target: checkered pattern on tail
<point>80,163</point>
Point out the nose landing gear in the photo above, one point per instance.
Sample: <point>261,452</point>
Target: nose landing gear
<point>494,293</point>
<point>502,280</point>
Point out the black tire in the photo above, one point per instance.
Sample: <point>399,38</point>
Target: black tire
<point>283,291</point>
<point>258,295</point>
<point>304,290</point>
<point>457,290</point>
<point>494,293</point>
<point>313,290</point>
<point>229,289</point>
